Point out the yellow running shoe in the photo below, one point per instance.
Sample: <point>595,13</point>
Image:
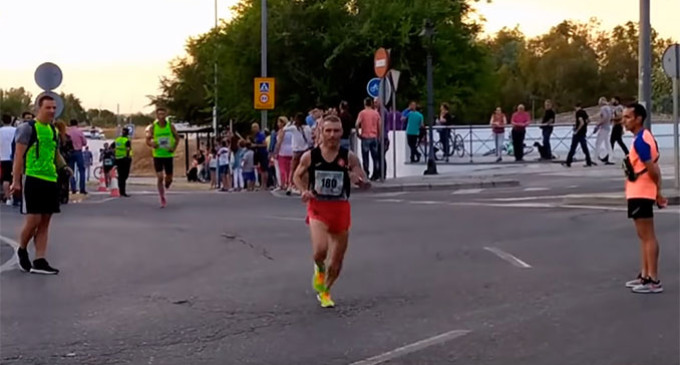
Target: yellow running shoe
<point>325,299</point>
<point>319,280</point>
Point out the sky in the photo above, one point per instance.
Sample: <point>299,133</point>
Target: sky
<point>113,53</point>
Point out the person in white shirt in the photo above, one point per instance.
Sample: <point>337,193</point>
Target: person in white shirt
<point>283,151</point>
<point>302,139</point>
<point>603,129</point>
<point>6,156</point>
<point>223,161</point>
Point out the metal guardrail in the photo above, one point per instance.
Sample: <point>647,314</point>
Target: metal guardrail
<point>479,142</point>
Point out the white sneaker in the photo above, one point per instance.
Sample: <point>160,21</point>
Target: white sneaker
<point>9,202</point>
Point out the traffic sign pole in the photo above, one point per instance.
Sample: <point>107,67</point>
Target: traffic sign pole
<point>394,131</point>
<point>263,118</point>
<point>383,116</point>
<point>676,135</point>
<point>381,65</point>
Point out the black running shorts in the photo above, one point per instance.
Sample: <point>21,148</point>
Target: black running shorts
<point>39,196</point>
<point>640,208</point>
<point>6,171</point>
<point>161,164</point>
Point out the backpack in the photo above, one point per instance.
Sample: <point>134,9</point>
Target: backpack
<point>34,139</point>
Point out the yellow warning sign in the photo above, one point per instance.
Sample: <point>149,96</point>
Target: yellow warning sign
<point>264,93</point>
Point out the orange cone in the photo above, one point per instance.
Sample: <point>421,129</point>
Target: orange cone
<point>115,192</point>
<point>102,182</point>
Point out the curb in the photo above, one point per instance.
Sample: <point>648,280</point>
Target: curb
<point>613,201</point>
<point>434,186</point>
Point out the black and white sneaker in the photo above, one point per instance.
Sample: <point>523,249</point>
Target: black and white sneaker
<point>40,266</point>
<point>24,260</point>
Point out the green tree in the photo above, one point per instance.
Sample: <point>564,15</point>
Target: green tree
<point>101,117</point>
<point>72,108</point>
<point>321,52</point>
<point>15,101</point>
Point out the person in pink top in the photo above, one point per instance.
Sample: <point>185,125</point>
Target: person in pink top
<point>76,157</point>
<point>368,125</point>
<point>520,120</point>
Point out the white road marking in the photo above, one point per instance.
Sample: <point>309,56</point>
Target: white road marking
<point>559,206</point>
<point>389,200</point>
<point>572,186</point>
<point>12,261</point>
<point>425,202</point>
<point>467,191</point>
<point>416,346</point>
<point>390,195</point>
<point>536,189</point>
<point>508,257</point>
<point>101,201</point>
<point>506,205</point>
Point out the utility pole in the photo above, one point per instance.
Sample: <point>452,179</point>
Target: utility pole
<point>645,61</point>
<point>428,34</point>
<point>214,111</point>
<point>263,61</point>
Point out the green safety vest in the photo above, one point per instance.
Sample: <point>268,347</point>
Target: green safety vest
<point>121,147</point>
<point>42,150</point>
<point>164,138</point>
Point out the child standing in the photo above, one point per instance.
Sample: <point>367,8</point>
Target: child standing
<point>249,167</point>
<point>224,155</point>
<point>212,167</point>
<point>236,167</point>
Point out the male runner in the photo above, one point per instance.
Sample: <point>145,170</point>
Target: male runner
<point>123,155</point>
<point>324,177</point>
<point>643,190</point>
<point>162,137</point>
<point>37,159</point>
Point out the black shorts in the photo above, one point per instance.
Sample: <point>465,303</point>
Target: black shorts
<point>6,171</point>
<point>261,159</point>
<point>39,196</point>
<point>161,164</point>
<point>641,208</point>
<point>108,169</point>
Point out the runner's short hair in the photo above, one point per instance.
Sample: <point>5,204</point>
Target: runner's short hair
<point>332,118</point>
<point>638,110</point>
<point>43,98</point>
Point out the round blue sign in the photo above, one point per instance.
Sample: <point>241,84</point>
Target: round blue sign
<point>373,87</point>
<point>48,76</point>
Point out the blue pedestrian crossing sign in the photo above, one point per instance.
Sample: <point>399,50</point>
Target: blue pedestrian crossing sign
<point>265,90</point>
<point>264,87</point>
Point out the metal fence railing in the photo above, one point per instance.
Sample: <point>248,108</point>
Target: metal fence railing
<point>476,143</point>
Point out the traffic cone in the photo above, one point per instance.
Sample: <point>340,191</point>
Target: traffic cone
<point>102,182</point>
<point>114,184</point>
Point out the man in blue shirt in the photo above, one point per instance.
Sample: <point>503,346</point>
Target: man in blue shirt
<point>414,121</point>
<point>261,155</point>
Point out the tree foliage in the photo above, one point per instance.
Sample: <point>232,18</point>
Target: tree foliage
<point>572,63</point>
<point>15,101</point>
<point>321,52</point>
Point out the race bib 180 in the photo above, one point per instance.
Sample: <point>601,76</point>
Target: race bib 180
<point>328,183</point>
<point>164,142</point>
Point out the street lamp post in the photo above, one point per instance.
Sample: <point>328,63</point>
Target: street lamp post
<point>645,61</point>
<point>428,34</point>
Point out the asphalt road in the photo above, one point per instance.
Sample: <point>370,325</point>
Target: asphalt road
<point>225,279</point>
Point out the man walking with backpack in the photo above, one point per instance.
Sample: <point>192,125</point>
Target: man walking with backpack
<point>38,161</point>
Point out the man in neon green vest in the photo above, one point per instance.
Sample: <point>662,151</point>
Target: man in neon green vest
<point>37,160</point>
<point>162,137</point>
<point>123,154</point>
